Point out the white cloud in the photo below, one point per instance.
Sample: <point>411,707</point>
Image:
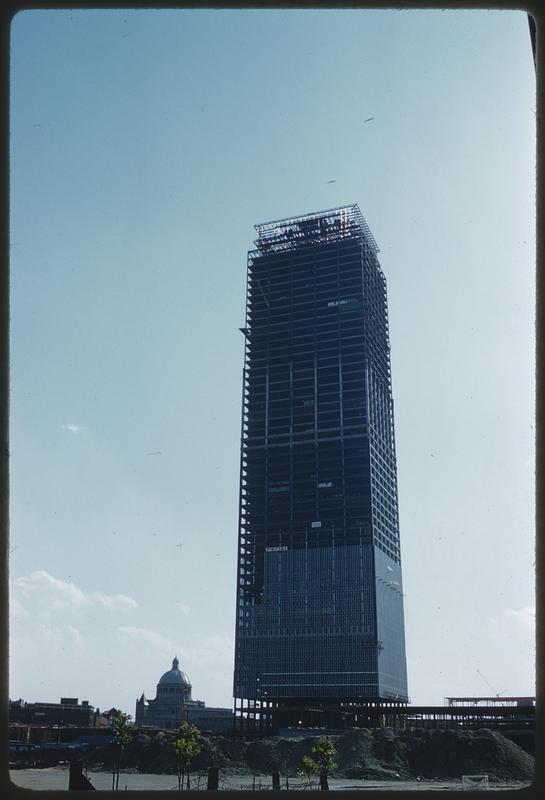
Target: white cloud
<point>525,617</point>
<point>185,609</point>
<point>50,592</point>
<point>47,595</point>
<point>53,635</point>
<point>63,637</point>
<point>74,636</point>
<point>17,612</point>
<point>71,633</point>
<point>72,428</point>
<point>115,602</point>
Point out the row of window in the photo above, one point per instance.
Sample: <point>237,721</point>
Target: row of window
<point>324,331</point>
<point>349,354</point>
<point>324,286</point>
<point>304,404</point>
<point>256,382</point>
<point>301,384</point>
<point>323,270</point>
<point>283,393</point>
<point>302,267</point>
<point>307,348</point>
<point>262,308</point>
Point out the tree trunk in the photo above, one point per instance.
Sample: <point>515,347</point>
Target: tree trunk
<point>213,778</point>
<point>324,785</point>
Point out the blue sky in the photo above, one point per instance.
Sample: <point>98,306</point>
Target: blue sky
<point>144,147</point>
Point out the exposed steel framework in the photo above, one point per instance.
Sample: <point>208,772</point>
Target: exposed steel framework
<point>263,718</point>
<point>319,597</point>
<point>497,701</point>
<point>332,225</point>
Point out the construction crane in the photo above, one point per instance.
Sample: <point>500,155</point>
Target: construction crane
<point>496,694</point>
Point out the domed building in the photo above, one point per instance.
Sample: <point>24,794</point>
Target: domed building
<point>173,705</point>
<point>172,702</point>
<point>175,682</point>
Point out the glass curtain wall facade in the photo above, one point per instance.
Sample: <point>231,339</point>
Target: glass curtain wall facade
<point>319,600</point>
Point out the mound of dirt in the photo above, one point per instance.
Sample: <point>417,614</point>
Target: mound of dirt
<point>445,754</point>
<point>378,753</point>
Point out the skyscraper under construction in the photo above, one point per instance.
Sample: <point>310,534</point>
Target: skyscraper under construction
<point>319,628</point>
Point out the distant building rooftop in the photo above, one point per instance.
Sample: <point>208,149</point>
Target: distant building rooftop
<point>490,701</point>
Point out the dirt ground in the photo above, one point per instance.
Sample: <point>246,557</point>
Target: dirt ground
<point>56,778</point>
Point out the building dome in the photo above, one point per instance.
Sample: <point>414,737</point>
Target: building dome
<point>174,677</point>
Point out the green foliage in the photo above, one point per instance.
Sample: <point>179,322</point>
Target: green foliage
<point>324,761</point>
<point>310,767</point>
<point>186,745</point>
<point>123,730</point>
<point>186,748</point>
<point>326,752</point>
